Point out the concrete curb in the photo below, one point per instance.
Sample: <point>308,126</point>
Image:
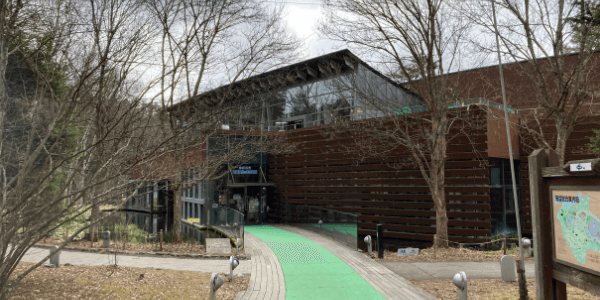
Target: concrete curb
<point>154,254</point>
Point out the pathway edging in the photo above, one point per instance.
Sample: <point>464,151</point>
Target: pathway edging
<point>156,254</point>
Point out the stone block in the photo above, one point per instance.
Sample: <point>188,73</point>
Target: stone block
<point>55,259</point>
<point>508,269</point>
<point>218,245</point>
<point>106,239</point>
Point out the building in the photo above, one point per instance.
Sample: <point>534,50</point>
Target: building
<point>300,103</point>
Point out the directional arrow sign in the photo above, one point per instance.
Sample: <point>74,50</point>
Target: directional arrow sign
<point>581,167</point>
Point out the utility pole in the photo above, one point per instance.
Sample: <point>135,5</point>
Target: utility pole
<point>522,285</point>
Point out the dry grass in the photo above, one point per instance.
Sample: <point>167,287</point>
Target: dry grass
<point>110,282</point>
<point>490,289</point>
<point>449,254</point>
<point>188,248</point>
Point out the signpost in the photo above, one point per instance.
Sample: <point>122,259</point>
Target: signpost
<point>565,209</point>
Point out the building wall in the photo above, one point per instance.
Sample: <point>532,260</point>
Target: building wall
<point>576,149</point>
<point>323,175</point>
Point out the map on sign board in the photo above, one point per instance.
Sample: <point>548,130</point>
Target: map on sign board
<point>576,227</point>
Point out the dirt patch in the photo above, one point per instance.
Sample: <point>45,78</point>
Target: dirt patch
<point>490,289</point>
<point>110,282</point>
<point>187,248</point>
<point>448,254</point>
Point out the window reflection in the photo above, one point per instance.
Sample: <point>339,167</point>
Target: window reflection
<point>358,95</point>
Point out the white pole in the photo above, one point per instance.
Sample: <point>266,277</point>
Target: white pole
<point>506,121</point>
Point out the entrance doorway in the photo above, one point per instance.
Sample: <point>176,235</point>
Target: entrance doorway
<point>250,199</point>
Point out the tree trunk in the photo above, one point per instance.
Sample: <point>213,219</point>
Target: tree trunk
<point>177,204</point>
<point>441,218</point>
<point>561,141</point>
<point>93,218</point>
<point>437,185</point>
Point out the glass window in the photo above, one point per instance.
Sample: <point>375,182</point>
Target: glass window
<point>196,191</point>
<point>495,176</point>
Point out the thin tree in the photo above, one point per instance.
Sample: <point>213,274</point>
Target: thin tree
<point>421,42</point>
<point>201,41</point>
<point>545,34</point>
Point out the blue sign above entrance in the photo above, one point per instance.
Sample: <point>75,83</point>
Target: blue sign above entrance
<point>244,172</point>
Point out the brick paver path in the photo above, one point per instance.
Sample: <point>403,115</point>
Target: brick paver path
<point>266,279</point>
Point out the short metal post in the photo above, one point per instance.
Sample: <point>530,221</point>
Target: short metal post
<point>369,244</point>
<point>233,263</point>
<point>215,283</point>
<point>460,281</point>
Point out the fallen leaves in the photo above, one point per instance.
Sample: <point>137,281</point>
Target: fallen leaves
<point>188,248</point>
<point>490,289</point>
<point>96,282</point>
<point>447,254</point>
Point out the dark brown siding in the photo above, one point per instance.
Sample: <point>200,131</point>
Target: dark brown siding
<point>576,149</point>
<point>322,175</point>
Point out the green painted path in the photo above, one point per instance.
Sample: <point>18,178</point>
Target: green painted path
<point>310,271</point>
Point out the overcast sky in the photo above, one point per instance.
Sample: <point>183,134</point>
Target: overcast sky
<point>302,18</point>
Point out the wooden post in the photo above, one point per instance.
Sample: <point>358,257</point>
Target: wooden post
<point>504,244</point>
<point>124,239</point>
<point>546,286</point>
<point>91,239</point>
<point>160,240</point>
<point>434,246</point>
<point>522,281</point>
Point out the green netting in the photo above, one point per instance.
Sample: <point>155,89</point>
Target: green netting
<point>310,271</point>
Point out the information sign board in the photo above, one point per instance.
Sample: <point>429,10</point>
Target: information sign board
<point>407,251</point>
<point>576,226</point>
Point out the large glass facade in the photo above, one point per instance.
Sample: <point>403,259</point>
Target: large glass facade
<point>360,94</point>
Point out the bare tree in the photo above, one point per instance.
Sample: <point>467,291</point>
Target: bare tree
<point>72,117</point>
<point>422,41</point>
<point>543,33</point>
<point>200,41</point>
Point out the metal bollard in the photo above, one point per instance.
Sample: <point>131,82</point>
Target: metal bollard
<point>460,281</point>
<point>527,247</point>
<point>368,241</point>
<point>215,283</point>
<point>233,263</point>
<point>106,239</point>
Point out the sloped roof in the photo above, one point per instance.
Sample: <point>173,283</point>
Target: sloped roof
<point>315,69</point>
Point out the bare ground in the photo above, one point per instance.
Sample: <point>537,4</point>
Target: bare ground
<point>188,248</point>
<point>490,289</point>
<point>117,282</point>
<point>448,254</point>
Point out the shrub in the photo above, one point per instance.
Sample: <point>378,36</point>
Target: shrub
<point>134,234</point>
